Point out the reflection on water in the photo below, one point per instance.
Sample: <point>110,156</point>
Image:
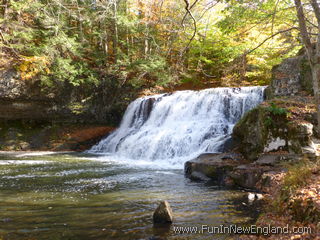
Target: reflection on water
<point>74,197</point>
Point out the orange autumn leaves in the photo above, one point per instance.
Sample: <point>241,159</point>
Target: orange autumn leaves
<point>31,66</point>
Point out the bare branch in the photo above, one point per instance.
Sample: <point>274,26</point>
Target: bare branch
<point>268,38</point>
<point>188,7</point>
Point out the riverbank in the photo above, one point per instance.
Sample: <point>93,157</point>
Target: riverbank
<point>45,136</point>
<point>292,199</point>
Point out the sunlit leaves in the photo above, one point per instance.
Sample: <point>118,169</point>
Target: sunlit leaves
<point>145,42</point>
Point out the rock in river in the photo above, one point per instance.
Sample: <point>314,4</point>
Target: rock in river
<point>163,213</point>
<point>211,165</point>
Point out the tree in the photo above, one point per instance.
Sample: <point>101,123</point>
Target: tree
<point>243,41</point>
<point>313,50</point>
<point>145,43</point>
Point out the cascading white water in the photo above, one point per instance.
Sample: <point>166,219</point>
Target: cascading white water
<point>176,127</point>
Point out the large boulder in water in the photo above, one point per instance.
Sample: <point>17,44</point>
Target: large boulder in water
<point>231,170</point>
<point>163,213</point>
<point>212,166</point>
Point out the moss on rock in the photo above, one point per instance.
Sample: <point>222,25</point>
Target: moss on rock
<point>269,128</point>
<point>250,133</point>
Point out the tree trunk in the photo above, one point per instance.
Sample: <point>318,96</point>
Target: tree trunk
<point>313,54</point>
<point>115,33</point>
<point>146,48</point>
<point>79,21</point>
<point>127,33</point>
<point>5,8</point>
<point>315,68</point>
<point>105,48</point>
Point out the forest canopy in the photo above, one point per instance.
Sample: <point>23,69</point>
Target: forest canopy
<point>147,43</point>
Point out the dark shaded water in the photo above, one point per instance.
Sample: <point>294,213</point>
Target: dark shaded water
<point>68,196</point>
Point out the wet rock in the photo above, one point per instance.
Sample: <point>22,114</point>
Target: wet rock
<point>247,176</point>
<point>232,171</point>
<point>268,159</point>
<point>163,213</point>
<point>213,166</point>
<point>228,146</point>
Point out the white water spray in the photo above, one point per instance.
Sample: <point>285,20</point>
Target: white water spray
<point>173,128</point>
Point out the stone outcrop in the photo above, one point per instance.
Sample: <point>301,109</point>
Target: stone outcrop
<point>232,170</point>
<point>251,133</point>
<point>261,131</point>
<point>300,137</point>
<point>10,86</point>
<point>212,166</point>
<point>246,176</point>
<point>291,77</point>
<point>267,128</point>
<point>163,213</point>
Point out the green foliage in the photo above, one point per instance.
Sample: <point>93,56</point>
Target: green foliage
<point>275,113</point>
<point>153,68</point>
<point>143,43</point>
<point>275,110</point>
<point>268,122</point>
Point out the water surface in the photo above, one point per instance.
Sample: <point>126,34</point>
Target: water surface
<point>76,196</point>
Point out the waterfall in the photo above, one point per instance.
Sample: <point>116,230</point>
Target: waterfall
<point>179,125</point>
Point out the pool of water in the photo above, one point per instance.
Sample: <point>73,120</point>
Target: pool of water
<point>77,196</point>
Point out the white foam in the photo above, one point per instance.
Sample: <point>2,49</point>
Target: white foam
<point>30,154</point>
<point>15,162</point>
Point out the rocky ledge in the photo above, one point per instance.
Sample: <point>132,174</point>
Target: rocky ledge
<point>232,170</point>
<point>212,166</point>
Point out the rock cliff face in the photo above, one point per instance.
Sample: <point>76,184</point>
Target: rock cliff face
<point>291,77</point>
<point>34,135</point>
<point>24,100</point>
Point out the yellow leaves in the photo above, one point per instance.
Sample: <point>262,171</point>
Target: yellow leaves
<point>31,66</point>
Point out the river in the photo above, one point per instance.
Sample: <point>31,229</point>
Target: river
<point>77,196</point>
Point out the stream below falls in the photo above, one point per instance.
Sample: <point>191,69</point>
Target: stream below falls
<point>77,196</point>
